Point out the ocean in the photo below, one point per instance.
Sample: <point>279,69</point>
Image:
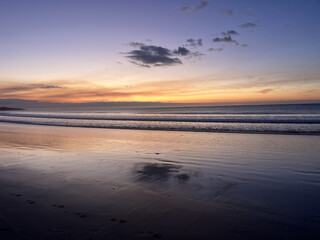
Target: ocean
<point>302,119</point>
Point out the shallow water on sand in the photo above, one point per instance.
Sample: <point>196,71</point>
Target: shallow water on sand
<point>236,186</point>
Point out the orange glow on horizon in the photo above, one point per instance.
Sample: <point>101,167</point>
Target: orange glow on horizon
<point>166,91</point>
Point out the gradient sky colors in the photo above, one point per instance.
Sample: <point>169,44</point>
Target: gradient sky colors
<point>198,51</point>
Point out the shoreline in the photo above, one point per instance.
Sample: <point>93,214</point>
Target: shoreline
<point>176,129</point>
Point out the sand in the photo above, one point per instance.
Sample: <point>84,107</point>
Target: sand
<point>77,183</point>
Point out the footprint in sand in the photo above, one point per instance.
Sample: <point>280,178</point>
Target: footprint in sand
<point>16,194</point>
<point>152,234</point>
<point>30,202</point>
<point>81,215</point>
<point>57,206</point>
<point>120,221</point>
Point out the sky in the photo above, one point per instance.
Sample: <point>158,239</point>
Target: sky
<point>192,51</point>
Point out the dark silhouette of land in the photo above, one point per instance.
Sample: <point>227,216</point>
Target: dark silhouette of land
<point>10,109</point>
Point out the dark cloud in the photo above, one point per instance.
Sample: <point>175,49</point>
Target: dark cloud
<point>28,87</point>
<point>149,55</point>
<point>194,42</point>
<point>230,32</point>
<point>228,12</point>
<point>182,51</point>
<point>50,87</point>
<point>226,39</point>
<point>154,56</point>
<point>215,49</point>
<point>248,25</point>
<point>203,4</point>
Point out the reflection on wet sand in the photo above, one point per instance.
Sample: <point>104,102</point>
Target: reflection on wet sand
<point>122,184</point>
<point>155,171</point>
<point>182,178</point>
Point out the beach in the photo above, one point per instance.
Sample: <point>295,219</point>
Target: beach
<point>173,120</point>
<point>80,183</point>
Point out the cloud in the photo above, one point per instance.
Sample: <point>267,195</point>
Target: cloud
<point>228,12</point>
<point>149,55</point>
<point>135,44</point>
<point>206,88</point>
<point>50,87</point>
<point>248,25</point>
<point>230,32</point>
<point>265,91</point>
<point>226,39</point>
<point>203,4</point>
<point>70,91</point>
<point>194,42</point>
<point>155,56</point>
<point>181,51</point>
<point>215,49</point>
<point>28,87</point>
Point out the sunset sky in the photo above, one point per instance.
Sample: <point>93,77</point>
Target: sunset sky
<point>193,51</point>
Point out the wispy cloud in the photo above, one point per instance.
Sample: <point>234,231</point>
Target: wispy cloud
<point>50,87</point>
<point>203,4</point>
<point>248,25</point>
<point>226,87</point>
<point>230,32</point>
<point>70,91</point>
<point>194,42</point>
<point>28,87</point>
<point>215,49</point>
<point>265,91</point>
<point>228,12</point>
<point>135,44</point>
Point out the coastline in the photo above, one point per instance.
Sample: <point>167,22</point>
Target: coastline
<point>82,183</point>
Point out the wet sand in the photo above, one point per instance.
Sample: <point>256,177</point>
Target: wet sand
<point>76,183</point>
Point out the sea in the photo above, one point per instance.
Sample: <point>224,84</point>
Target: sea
<point>300,119</point>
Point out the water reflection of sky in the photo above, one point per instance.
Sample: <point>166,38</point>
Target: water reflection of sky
<point>273,174</point>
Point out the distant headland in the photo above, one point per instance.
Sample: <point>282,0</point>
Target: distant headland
<point>10,109</point>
